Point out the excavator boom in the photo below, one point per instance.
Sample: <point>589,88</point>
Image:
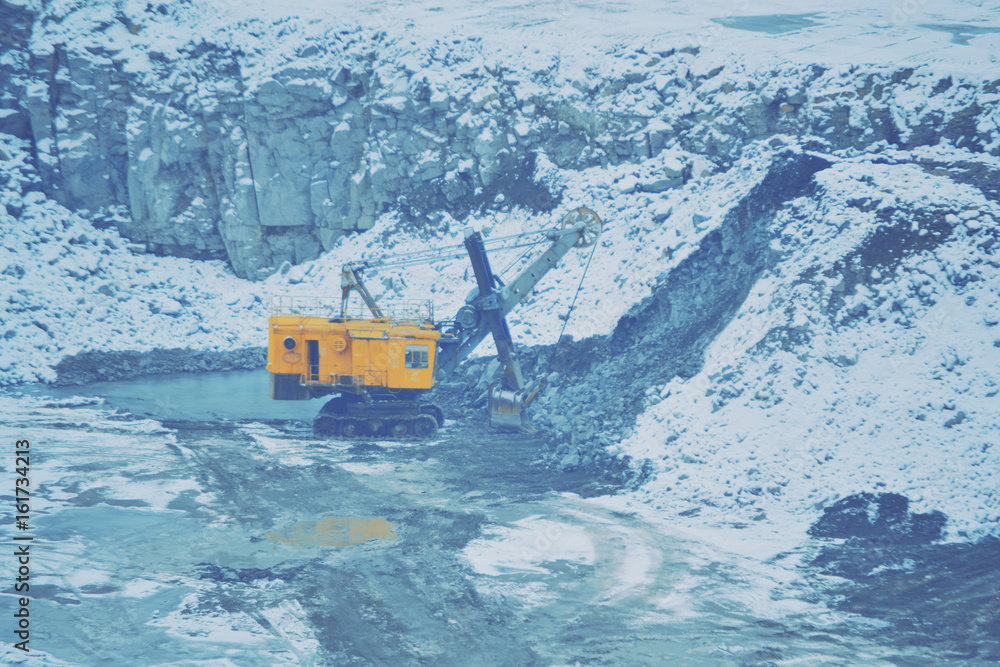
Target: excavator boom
<point>351,279</point>
<point>487,306</point>
<point>579,229</point>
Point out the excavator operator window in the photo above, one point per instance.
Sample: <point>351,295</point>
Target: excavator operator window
<point>416,356</point>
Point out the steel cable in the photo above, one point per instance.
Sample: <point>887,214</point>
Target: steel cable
<point>578,288</point>
<point>427,256</point>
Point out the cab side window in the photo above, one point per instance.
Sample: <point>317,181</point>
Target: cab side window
<point>416,356</point>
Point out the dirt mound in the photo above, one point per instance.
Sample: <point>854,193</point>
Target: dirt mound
<point>87,367</point>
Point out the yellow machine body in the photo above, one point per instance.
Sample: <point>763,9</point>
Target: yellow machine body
<point>310,356</point>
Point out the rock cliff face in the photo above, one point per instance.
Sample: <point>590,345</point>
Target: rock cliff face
<point>207,150</point>
<point>14,37</point>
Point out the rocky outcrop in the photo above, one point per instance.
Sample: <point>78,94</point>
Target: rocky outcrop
<point>92,366</point>
<point>212,152</point>
<point>17,20</point>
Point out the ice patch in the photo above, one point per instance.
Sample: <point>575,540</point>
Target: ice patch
<point>527,545</point>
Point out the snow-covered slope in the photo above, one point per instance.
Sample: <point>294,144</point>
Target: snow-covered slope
<point>866,359</point>
<point>68,286</point>
<point>266,138</point>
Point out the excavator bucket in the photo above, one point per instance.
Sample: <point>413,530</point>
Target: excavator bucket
<point>507,407</point>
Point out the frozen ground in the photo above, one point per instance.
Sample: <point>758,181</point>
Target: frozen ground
<point>960,35</point>
<point>876,375</point>
<point>71,287</point>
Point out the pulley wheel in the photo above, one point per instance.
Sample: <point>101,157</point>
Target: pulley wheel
<point>467,317</point>
<point>591,222</point>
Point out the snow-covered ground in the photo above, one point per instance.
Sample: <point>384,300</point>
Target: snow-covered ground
<point>960,35</point>
<point>892,381</point>
<point>184,545</point>
<point>72,287</point>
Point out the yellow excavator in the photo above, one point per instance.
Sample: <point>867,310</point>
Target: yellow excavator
<point>377,364</point>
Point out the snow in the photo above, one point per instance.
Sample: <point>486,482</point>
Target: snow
<point>73,287</point>
<point>829,437</point>
<point>527,544</point>
<point>903,400</point>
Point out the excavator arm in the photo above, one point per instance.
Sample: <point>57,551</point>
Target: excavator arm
<point>486,308</point>
<point>350,279</point>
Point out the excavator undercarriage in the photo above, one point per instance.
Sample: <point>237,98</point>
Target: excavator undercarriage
<point>350,418</point>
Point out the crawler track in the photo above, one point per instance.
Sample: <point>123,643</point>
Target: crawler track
<point>393,420</point>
